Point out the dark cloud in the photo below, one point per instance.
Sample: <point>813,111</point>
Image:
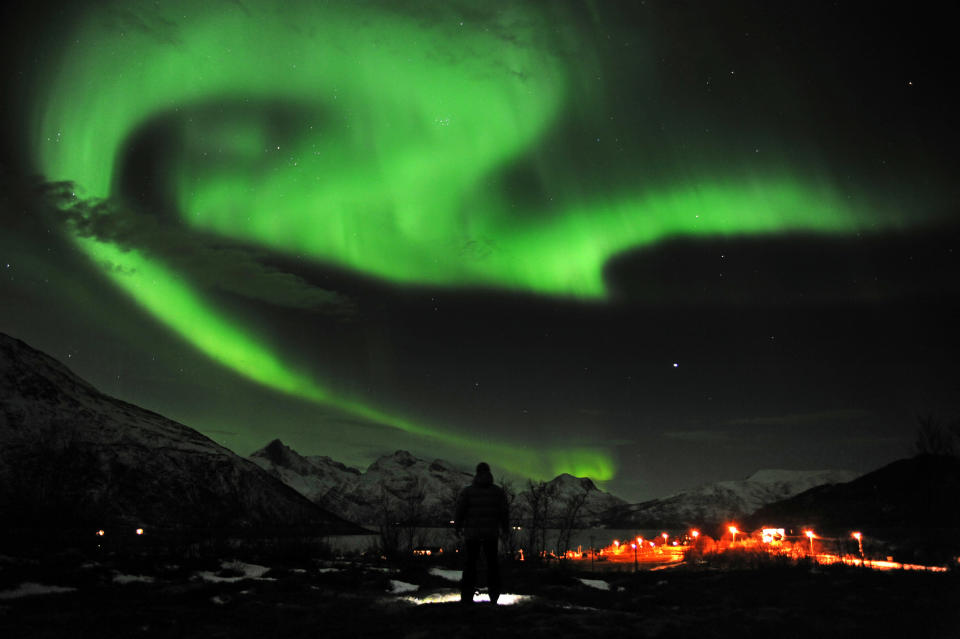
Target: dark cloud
<point>145,20</point>
<point>700,436</point>
<point>209,263</point>
<point>799,418</point>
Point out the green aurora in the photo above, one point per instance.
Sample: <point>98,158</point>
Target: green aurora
<point>390,171</point>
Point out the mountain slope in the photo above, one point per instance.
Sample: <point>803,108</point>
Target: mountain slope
<point>921,492</point>
<point>72,455</point>
<point>716,503</point>
<point>909,509</point>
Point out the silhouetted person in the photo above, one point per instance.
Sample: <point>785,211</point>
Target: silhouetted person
<point>481,515</point>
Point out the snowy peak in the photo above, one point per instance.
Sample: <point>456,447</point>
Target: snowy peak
<point>395,461</point>
<point>568,497</point>
<point>566,482</point>
<point>279,454</point>
<point>402,485</point>
<point>332,465</point>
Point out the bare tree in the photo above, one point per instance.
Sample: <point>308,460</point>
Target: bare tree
<point>509,539</point>
<point>934,437</point>
<point>569,518</point>
<point>537,499</point>
<point>412,515</point>
<point>388,522</point>
<point>401,518</point>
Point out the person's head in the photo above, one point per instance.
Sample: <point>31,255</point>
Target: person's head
<point>483,477</point>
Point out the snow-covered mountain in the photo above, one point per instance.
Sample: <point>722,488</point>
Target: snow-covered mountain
<point>403,487</point>
<point>723,501</point>
<point>396,487</point>
<point>568,496</point>
<point>71,455</point>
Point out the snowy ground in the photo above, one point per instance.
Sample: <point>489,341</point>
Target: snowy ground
<point>260,597</point>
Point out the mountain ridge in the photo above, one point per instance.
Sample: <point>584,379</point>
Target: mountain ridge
<point>716,503</point>
<point>74,455</point>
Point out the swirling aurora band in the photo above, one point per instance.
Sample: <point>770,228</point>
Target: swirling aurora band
<point>391,177</point>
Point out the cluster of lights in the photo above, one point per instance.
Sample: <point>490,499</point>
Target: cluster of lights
<point>772,535</point>
<point>102,532</point>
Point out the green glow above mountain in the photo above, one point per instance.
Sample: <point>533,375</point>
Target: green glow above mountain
<point>392,166</point>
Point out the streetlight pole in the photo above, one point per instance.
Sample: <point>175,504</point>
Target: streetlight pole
<point>810,535</point>
<point>859,537</point>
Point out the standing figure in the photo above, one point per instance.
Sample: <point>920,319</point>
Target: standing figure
<point>481,515</point>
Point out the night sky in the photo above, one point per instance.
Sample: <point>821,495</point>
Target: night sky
<point>656,243</point>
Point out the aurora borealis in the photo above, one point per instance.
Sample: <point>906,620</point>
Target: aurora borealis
<point>281,194</point>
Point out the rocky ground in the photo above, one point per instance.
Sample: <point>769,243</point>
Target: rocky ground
<point>75,596</point>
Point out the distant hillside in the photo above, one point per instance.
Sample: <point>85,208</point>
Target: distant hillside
<point>912,504</point>
<point>72,457</point>
<point>716,503</point>
<point>922,492</point>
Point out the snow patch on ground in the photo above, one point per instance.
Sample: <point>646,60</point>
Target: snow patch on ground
<point>29,589</point>
<point>599,584</point>
<point>397,587</point>
<point>249,571</point>
<point>449,596</point>
<point>449,575</point>
<point>132,579</point>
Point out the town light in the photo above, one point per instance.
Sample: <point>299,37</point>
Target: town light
<point>772,535</point>
<point>694,533</point>
<point>100,533</point>
<point>859,537</point>
<point>733,533</point>
<point>810,535</point>
<point>139,531</point>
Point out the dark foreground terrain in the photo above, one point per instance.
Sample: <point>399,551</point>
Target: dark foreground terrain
<point>311,598</point>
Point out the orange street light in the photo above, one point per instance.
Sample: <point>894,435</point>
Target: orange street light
<point>810,535</point>
<point>139,531</point>
<point>733,532</point>
<point>859,537</point>
<point>100,533</point>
